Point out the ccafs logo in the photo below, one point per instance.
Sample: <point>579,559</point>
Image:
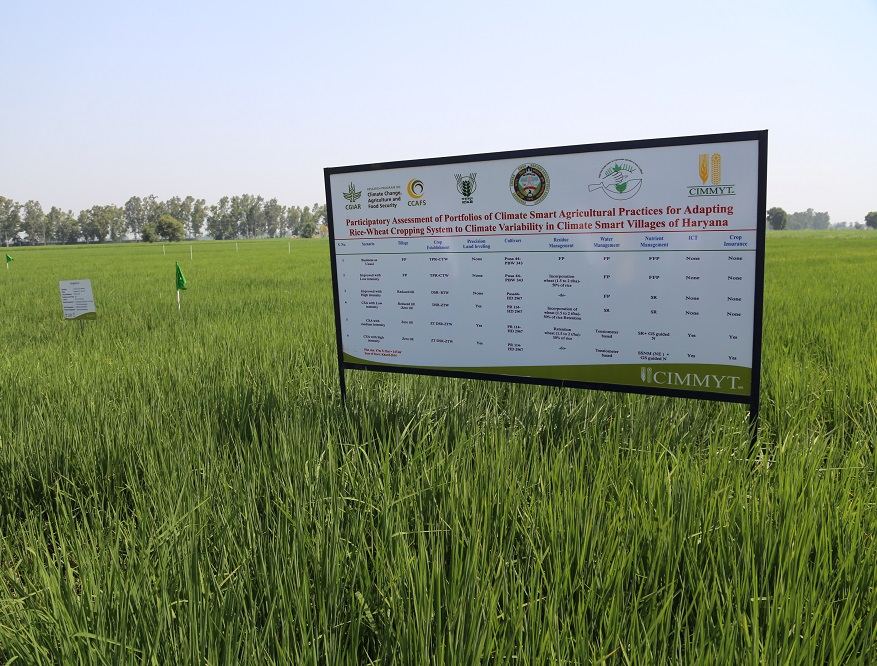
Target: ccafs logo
<point>415,191</point>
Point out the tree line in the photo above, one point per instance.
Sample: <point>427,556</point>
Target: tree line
<point>149,219</point>
<point>778,220</point>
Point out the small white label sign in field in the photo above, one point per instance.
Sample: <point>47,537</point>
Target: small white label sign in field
<point>77,299</point>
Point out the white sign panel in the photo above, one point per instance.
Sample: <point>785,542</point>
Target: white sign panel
<point>77,299</point>
<point>634,266</point>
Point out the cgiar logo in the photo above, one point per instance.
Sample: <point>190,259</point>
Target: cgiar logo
<point>465,186</point>
<point>529,184</point>
<point>709,168</point>
<point>620,179</point>
<point>415,191</point>
<point>352,195</point>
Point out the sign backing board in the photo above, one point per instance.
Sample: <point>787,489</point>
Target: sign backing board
<point>77,299</point>
<point>634,266</point>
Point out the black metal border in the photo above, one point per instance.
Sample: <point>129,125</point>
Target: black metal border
<point>753,399</point>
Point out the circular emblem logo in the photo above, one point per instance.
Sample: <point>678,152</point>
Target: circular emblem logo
<point>529,184</point>
<point>620,179</point>
<point>415,188</point>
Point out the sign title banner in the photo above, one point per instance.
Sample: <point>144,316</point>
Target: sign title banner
<point>631,266</point>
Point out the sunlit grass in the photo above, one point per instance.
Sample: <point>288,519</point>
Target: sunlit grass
<point>186,487</point>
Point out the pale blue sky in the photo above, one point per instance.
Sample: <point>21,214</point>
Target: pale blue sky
<point>100,101</point>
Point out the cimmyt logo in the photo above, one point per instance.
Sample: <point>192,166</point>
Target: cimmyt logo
<point>620,179</point>
<point>709,168</point>
<point>529,184</point>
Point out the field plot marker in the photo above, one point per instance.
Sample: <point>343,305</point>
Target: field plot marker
<point>181,283</point>
<point>77,301</point>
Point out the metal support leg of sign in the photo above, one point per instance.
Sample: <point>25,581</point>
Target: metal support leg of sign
<point>343,384</point>
<point>753,422</point>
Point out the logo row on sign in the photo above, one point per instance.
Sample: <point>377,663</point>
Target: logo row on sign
<point>529,184</point>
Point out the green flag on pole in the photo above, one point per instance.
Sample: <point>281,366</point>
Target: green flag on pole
<point>8,258</point>
<point>181,279</point>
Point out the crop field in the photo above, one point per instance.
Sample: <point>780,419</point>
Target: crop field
<point>186,487</point>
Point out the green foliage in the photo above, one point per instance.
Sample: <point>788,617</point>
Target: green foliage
<point>10,219</point>
<point>170,229</point>
<point>809,219</point>
<point>871,220</point>
<point>149,233</point>
<point>187,487</point>
<point>777,218</point>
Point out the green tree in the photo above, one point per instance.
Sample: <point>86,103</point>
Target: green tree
<point>65,225</point>
<point>255,216</point>
<point>115,219</point>
<point>198,217</point>
<point>293,219</point>
<point>273,217</point>
<point>135,216</point>
<point>170,228</point>
<point>10,219</point>
<point>821,220</point>
<point>95,222</point>
<point>809,219</point>
<point>871,220</point>
<point>777,218</point>
<point>84,223</point>
<point>152,208</point>
<point>148,233</point>
<point>219,223</point>
<point>33,222</point>
<point>54,217</point>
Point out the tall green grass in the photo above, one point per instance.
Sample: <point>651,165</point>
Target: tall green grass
<point>186,487</point>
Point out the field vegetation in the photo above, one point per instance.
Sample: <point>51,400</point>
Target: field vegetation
<point>186,487</point>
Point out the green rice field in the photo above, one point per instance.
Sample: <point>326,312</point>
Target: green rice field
<point>187,487</point>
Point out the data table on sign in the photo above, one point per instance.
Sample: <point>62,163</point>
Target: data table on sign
<point>573,299</point>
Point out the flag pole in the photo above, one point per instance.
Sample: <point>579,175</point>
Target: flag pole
<point>181,284</point>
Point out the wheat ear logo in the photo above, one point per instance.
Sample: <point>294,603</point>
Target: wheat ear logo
<point>351,194</point>
<point>709,168</point>
<point>465,186</point>
<point>645,374</point>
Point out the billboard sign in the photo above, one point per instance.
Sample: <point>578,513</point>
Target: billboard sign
<point>633,266</point>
